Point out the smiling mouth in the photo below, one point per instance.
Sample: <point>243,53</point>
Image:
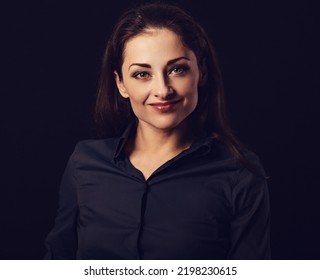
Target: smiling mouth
<point>165,106</point>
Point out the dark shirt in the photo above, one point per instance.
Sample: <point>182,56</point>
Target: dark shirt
<point>201,204</point>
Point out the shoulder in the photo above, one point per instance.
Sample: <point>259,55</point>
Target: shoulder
<point>95,150</point>
<point>249,162</point>
<point>248,179</point>
<point>94,145</point>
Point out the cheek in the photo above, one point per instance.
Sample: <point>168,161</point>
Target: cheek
<point>137,92</point>
<point>194,99</point>
<point>188,88</point>
<point>191,90</point>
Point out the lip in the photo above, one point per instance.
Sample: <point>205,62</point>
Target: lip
<point>165,106</point>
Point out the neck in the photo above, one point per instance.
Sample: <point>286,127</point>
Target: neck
<point>158,141</point>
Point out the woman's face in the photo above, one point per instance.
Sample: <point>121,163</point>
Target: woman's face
<point>160,77</point>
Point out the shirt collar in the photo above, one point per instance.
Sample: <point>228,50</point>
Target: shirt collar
<point>123,140</point>
<point>201,145</point>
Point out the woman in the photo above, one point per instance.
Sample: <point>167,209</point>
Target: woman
<point>169,180</point>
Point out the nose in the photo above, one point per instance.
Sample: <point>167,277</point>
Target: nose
<point>161,87</point>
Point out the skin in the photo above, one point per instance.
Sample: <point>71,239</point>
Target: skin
<point>160,76</point>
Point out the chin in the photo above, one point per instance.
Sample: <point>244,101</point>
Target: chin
<point>167,124</point>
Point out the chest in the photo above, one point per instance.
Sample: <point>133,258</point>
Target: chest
<point>126,217</point>
<point>147,165</point>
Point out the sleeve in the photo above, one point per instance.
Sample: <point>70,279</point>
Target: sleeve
<point>61,242</point>
<point>250,227</point>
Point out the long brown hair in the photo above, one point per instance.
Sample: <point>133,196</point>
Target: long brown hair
<point>113,112</point>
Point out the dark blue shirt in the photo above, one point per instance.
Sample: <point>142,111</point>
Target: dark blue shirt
<point>201,204</point>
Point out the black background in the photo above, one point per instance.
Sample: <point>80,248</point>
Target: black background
<point>52,50</point>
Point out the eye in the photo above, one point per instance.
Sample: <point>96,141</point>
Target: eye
<point>179,70</point>
<point>141,75</point>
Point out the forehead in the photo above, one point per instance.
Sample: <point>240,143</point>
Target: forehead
<point>154,44</point>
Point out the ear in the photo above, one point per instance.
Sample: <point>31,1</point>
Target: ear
<point>120,85</point>
<point>203,73</point>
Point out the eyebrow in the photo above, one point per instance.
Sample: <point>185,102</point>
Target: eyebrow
<point>172,61</point>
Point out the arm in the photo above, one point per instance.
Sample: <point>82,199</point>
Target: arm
<point>61,243</point>
<point>250,228</point>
